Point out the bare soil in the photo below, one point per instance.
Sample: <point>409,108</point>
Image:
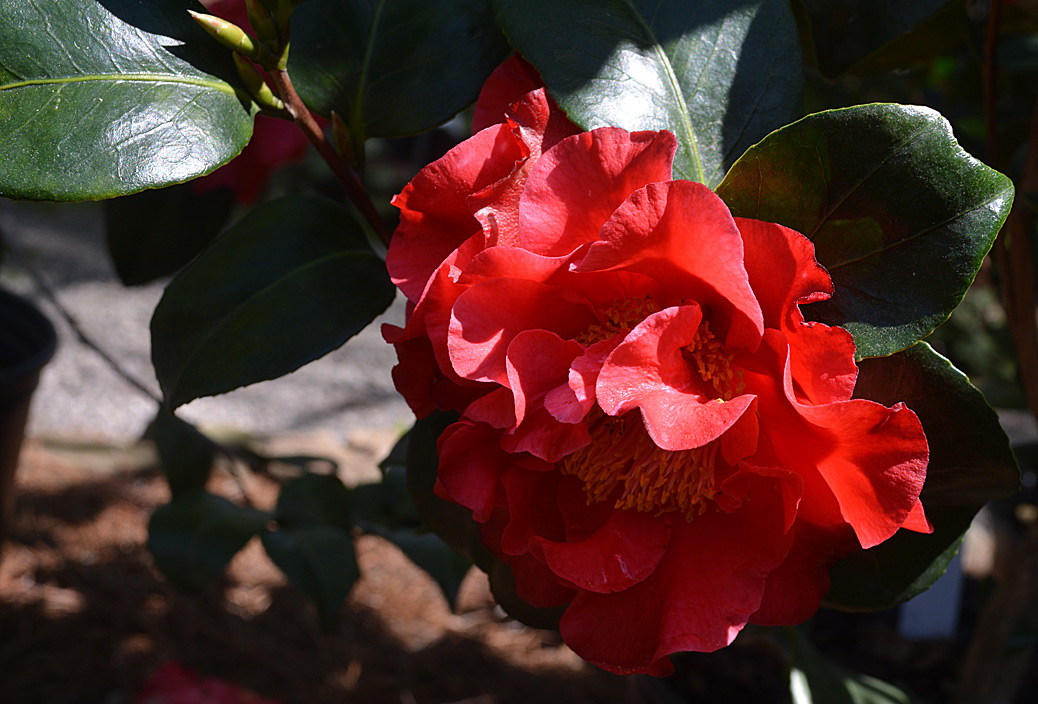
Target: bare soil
<point>86,617</point>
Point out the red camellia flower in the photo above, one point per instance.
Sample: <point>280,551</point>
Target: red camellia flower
<point>650,432</point>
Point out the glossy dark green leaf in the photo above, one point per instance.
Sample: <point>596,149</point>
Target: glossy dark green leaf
<point>318,560</point>
<point>101,98</point>
<point>970,464</point>
<point>900,215</point>
<point>281,287</point>
<point>195,535</point>
<point>872,36</point>
<point>719,75</point>
<point>155,233</point>
<point>312,544</point>
<point>185,454</point>
<point>393,68</point>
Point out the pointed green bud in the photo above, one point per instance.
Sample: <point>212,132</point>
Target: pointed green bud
<point>230,35</point>
<point>257,86</point>
<point>341,137</point>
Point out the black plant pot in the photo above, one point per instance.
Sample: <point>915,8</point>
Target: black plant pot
<point>27,342</point>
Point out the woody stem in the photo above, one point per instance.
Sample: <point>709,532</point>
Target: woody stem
<point>347,177</point>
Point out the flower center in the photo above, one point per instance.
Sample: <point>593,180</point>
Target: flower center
<point>623,458</point>
<point>714,364</point>
<point>621,317</point>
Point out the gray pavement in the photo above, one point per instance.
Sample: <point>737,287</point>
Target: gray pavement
<point>347,394</point>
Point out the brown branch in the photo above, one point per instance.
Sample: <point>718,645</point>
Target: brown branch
<point>347,176</point>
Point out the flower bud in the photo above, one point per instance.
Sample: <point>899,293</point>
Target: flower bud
<point>230,35</point>
<point>257,86</point>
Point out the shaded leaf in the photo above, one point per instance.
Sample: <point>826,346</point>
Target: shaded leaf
<point>719,75</point>
<point>154,233</point>
<point>185,454</point>
<point>900,215</point>
<point>393,68</point>
<point>815,679</point>
<point>970,464</point>
<point>195,535</point>
<point>315,500</point>
<point>283,286</point>
<point>320,561</point>
<point>312,544</point>
<point>875,36</point>
<point>100,98</point>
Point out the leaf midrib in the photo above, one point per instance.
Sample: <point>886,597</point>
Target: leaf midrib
<point>121,78</point>
<point>672,79</point>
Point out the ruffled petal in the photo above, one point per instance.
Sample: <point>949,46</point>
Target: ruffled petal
<point>622,552</point>
<point>648,371</point>
<point>699,597</point>
<point>487,317</point>
<point>470,462</point>
<point>577,184</point>
<point>435,217</point>
<point>507,84</point>
<point>681,234</point>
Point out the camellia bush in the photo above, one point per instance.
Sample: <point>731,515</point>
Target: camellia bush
<point>664,336</point>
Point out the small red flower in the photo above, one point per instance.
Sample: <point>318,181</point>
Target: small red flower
<point>650,430</point>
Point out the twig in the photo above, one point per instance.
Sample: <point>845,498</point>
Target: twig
<point>347,176</point>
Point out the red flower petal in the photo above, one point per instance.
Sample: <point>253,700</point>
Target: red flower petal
<point>570,403</point>
<point>706,587</point>
<point>622,552</point>
<point>488,316</point>
<point>681,234</point>
<point>648,371</point>
<point>795,590</point>
<point>434,215</point>
<point>508,83</point>
<point>577,184</point>
<point>469,466</point>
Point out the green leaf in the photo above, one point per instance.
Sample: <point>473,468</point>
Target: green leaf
<point>876,36</point>
<point>970,464</point>
<point>393,68</point>
<point>195,535</point>
<point>900,215</point>
<point>814,679</point>
<point>185,454</point>
<point>719,75</point>
<point>101,98</point>
<point>312,544</point>
<point>154,233</point>
<point>286,284</point>
<point>318,560</point>
<point>315,500</point>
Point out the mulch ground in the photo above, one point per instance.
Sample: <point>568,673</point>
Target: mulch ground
<point>85,617</point>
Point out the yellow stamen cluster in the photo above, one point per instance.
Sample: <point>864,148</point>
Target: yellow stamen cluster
<point>621,317</point>
<point>714,364</point>
<point>622,461</point>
